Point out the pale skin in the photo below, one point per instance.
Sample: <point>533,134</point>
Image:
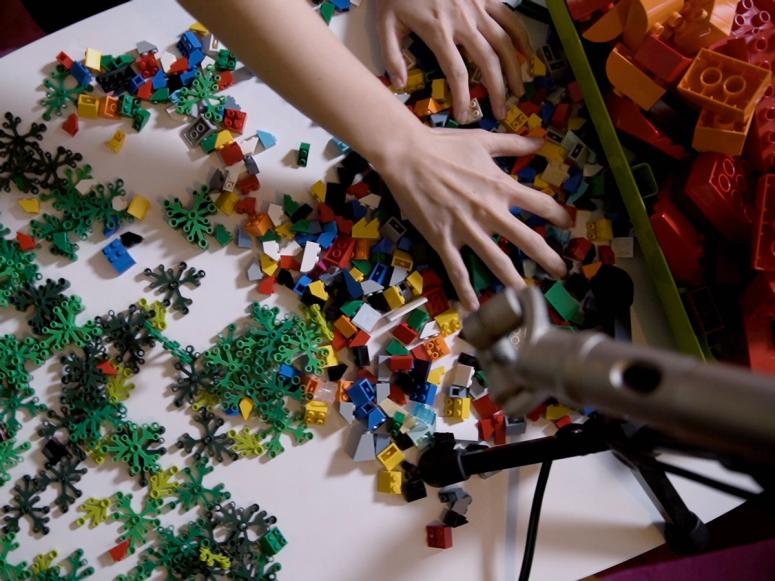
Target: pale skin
<point>444,180</point>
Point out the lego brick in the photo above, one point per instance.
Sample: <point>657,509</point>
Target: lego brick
<point>681,243</point>
<point>700,24</point>
<point>118,257</point>
<point>760,337</point>
<point>439,536</point>
<point>763,251</point>
<point>720,133</point>
<point>724,85</point>
<point>661,60</point>
<point>760,147</point>
<point>630,81</point>
<point>753,16</point>
<point>389,481</point>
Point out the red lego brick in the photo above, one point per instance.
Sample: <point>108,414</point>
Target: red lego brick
<point>226,80</point>
<point>231,154</point>
<point>681,243</point>
<point>359,339</point>
<point>248,184</point>
<point>325,213</point>
<point>359,190</point>
<point>628,118</point>
<point>179,66</point>
<point>404,333</point>
<point>401,363</point>
<point>344,225</point>
<point>499,423</point>
<point>537,413</point>
<point>521,163</point>
<point>397,394</point>
<point>25,241</point>
<point>486,429</point>
<point>661,60</point>
<point>340,252</point>
<point>574,92</point>
<point>266,286</point>
<point>562,422</point>
<point>64,60</point>
<point>246,206</point>
<point>71,124</point>
<point>431,279</point>
<point>437,301</point>
<point>485,407</point>
<point>439,536</point>
<point>421,353</point>
<point>752,17</point>
<point>578,248</point>
<point>719,187</point>
<point>764,225</point>
<point>581,10</point>
<point>290,263</point>
<point>478,91</point>
<point>339,341</point>
<point>760,336</point>
<point>760,146</point>
<point>234,120</point>
<point>606,254</point>
<point>145,91</point>
<point>561,115</point>
<point>147,65</point>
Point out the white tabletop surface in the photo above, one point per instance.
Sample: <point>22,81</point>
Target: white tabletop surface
<point>337,525</point>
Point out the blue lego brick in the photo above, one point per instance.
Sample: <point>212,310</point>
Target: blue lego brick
<point>423,413</point>
<point>527,174</point>
<point>302,284</point>
<point>560,234</point>
<point>81,73</point>
<point>516,212</point>
<point>361,392</point>
<point>488,123</point>
<point>354,289</point>
<point>331,227</point>
<point>118,256</point>
<point>267,139</point>
<point>343,148</point>
<point>159,80</point>
<point>547,110</point>
<point>187,77</point>
<point>188,43</point>
<point>231,103</point>
<point>302,238</point>
<point>134,83</point>
<point>381,441</point>
<point>379,273</point>
<point>405,244</point>
<point>534,221</point>
<point>195,58</point>
<point>326,238</point>
<point>287,371</point>
<point>572,184</point>
<point>425,394</point>
<point>375,418</point>
<point>341,5</point>
<point>243,239</point>
<point>359,210</point>
<point>385,246</point>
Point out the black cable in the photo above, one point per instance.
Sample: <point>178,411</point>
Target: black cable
<point>532,523</point>
<point>706,480</point>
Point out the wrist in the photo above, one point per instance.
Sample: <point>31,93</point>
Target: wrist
<point>394,141</point>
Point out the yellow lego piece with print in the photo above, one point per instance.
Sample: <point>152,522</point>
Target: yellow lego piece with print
<point>391,456</point>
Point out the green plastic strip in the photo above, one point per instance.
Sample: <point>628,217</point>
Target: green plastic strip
<point>681,327</point>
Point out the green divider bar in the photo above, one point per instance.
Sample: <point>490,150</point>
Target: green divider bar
<point>681,327</point>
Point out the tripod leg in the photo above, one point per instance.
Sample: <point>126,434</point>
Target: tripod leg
<point>684,531</point>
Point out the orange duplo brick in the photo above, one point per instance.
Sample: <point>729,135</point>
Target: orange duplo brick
<point>720,133</point>
<point>343,386</point>
<point>643,15</point>
<point>700,24</point>
<point>610,25</point>
<point>109,107</point>
<point>630,81</point>
<point>724,85</point>
<point>258,225</point>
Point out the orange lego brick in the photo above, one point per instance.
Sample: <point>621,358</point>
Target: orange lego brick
<point>258,225</point>
<point>630,81</point>
<point>643,15</point>
<point>700,24</point>
<point>610,25</point>
<point>720,133</point>
<point>724,85</point>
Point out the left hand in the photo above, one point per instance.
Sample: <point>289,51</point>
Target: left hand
<point>488,30</point>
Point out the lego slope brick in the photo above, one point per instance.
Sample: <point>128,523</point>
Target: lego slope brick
<point>680,241</point>
<point>764,225</point>
<point>718,185</point>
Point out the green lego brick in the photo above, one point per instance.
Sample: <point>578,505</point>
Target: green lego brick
<point>562,302</point>
<point>395,348</point>
<point>417,319</point>
<point>351,308</point>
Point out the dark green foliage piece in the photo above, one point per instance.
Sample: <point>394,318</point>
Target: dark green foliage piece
<point>193,378</point>
<point>136,527</point>
<point>62,90</point>
<point>234,523</point>
<point>170,281</point>
<point>43,299</point>
<point>25,499</point>
<point>127,334</point>
<point>139,446</point>
<point>64,476</point>
<point>17,268</point>
<point>193,492</point>
<point>210,442</point>
<point>193,221</point>
<point>15,401</point>
<point>9,572</point>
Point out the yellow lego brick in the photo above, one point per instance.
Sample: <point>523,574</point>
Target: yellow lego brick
<point>318,191</point>
<point>555,173</point>
<point>415,81</point>
<point>199,28</point>
<point>268,266</point>
<point>366,230</point>
<point>555,412</point>
<point>328,356</point>
<point>391,456</point>
<point>226,202</point>
<point>534,121</point>
<point>402,260</point>
<point>541,185</point>
<point>436,375</point>
<point>414,281</point>
<point>552,151</point>
<point>92,59</point>
<point>537,67</point>
<point>394,297</point>
<point>389,481</point>
<point>515,119</point>
<point>358,275</point>
<point>223,138</point>
<point>576,123</point>
<point>315,412</point>
<point>318,289</point>
<point>117,141</point>
<point>600,229</point>
<point>88,106</point>
<point>457,407</point>
<point>449,322</point>
<point>441,93</point>
<point>138,207</point>
<point>30,205</point>
<point>284,230</point>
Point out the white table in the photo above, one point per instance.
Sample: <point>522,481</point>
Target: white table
<point>337,525</point>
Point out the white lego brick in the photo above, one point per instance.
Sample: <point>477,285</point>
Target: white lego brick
<point>461,375</point>
<point>290,248</point>
<point>207,61</point>
<point>276,214</point>
<point>271,249</point>
<point>310,257</point>
<point>371,201</point>
<point>366,318</point>
<point>623,247</point>
<point>431,329</point>
<point>167,59</point>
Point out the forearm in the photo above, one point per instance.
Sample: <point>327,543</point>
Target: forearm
<point>317,74</point>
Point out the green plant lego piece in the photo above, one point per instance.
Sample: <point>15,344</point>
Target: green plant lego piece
<point>203,90</point>
<point>62,90</point>
<point>246,443</point>
<point>222,235</point>
<point>272,542</point>
<point>161,483</point>
<point>73,568</point>
<point>158,311</point>
<point>8,571</point>
<point>25,502</point>
<point>17,268</point>
<point>215,445</point>
<point>42,298</point>
<point>192,221</point>
<point>42,562</point>
<point>169,282</point>
<point>63,330</point>
<point>139,446</point>
<point>117,387</point>
<point>64,476</point>
<point>95,512</point>
<point>136,527</point>
<point>563,302</point>
<point>10,456</point>
<point>100,204</point>
<point>192,491</point>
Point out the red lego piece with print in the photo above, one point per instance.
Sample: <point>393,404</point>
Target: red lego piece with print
<point>340,252</point>
<point>404,333</point>
<point>246,206</point>
<point>764,225</point>
<point>760,146</point>
<point>719,186</point>
<point>248,184</point>
<point>661,60</point>
<point>147,65</point>
<point>629,118</point>
<point>681,243</point>
<point>70,125</point>
<point>234,120</point>
<point>439,536</point>
<point>231,153</point>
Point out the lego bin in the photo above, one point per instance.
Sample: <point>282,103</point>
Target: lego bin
<point>667,291</point>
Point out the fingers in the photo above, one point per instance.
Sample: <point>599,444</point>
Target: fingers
<point>510,145</point>
<point>483,54</point>
<point>507,52</point>
<point>496,260</point>
<point>512,24</point>
<point>454,70</point>
<point>531,243</point>
<point>458,274</point>
<point>537,203</point>
<point>391,33</point>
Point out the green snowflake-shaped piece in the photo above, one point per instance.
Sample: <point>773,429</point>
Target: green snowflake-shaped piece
<point>246,443</point>
<point>138,446</point>
<point>136,527</point>
<point>192,491</point>
<point>9,572</point>
<point>118,387</point>
<point>170,282</point>
<point>73,568</point>
<point>13,402</point>
<point>17,269</point>
<point>64,475</point>
<point>10,456</point>
<point>201,94</point>
<point>193,221</point>
<point>62,90</point>
<point>210,442</point>
<point>95,512</point>
<point>63,330</point>
<point>161,483</point>
<point>25,503</point>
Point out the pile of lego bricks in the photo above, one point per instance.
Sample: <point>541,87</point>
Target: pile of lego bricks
<point>694,97</point>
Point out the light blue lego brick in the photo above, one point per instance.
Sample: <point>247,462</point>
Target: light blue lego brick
<point>243,239</point>
<point>267,139</point>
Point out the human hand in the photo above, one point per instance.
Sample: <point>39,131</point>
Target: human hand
<point>448,186</point>
<point>488,30</point>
